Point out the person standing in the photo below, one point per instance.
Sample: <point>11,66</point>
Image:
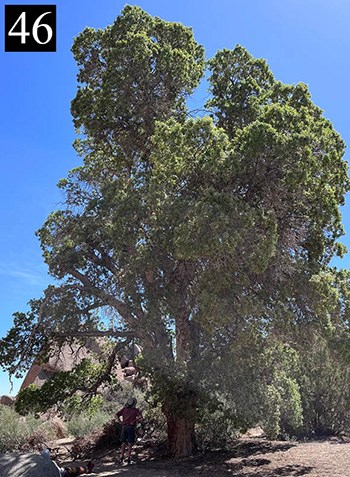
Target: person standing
<point>129,416</point>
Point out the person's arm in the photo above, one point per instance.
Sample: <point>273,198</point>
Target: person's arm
<point>119,415</point>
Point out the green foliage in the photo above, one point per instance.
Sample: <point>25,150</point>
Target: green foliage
<point>252,380</point>
<point>273,413</point>
<point>283,398</point>
<point>275,128</point>
<point>146,68</point>
<point>79,425</point>
<point>290,407</point>
<point>325,389</point>
<point>28,400</point>
<point>201,236</point>
<point>16,432</point>
<point>218,424</point>
<point>75,405</point>
<point>59,391</point>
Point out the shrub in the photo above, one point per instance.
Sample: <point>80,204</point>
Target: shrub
<point>80,425</point>
<point>17,432</point>
<point>81,405</point>
<point>325,389</point>
<point>217,428</point>
<point>103,438</point>
<point>37,441</point>
<point>154,423</point>
<point>58,426</point>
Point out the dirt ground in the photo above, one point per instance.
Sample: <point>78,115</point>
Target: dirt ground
<point>249,458</point>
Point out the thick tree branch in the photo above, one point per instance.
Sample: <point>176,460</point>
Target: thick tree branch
<point>106,297</point>
<point>108,371</point>
<point>93,334</point>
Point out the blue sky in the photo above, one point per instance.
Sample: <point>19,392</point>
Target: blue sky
<point>302,40</point>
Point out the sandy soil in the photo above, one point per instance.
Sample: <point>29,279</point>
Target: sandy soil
<point>249,458</point>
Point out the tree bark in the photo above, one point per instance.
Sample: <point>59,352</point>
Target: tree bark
<point>181,436</point>
<point>180,412</point>
<point>184,342</point>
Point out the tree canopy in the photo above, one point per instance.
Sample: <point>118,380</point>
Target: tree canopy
<point>187,233</point>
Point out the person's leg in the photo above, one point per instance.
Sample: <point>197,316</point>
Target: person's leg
<point>130,445</point>
<point>124,439</point>
<point>131,441</point>
<point>89,466</point>
<point>122,450</point>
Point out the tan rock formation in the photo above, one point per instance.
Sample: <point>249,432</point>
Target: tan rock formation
<point>69,356</point>
<point>7,400</point>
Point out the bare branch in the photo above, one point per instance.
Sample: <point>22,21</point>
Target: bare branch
<point>106,297</point>
<point>107,372</point>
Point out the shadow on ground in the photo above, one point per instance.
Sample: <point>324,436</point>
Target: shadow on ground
<point>246,459</point>
<point>285,471</point>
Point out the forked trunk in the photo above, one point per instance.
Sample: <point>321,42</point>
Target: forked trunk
<point>181,436</point>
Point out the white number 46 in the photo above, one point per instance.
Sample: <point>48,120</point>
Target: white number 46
<point>23,33</point>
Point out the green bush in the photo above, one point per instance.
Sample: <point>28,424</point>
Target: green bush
<point>18,432</point>
<point>325,389</point>
<point>218,425</point>
<point>116,397</point>
<point>77,405</point>
<point>107,437</point>
<point>80,425</point>
<point>61,387</point>
<point>28,400</point>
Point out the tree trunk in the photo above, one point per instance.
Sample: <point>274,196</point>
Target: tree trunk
<point>184,341</point>
<point>181,437</point>
<point>180,410</point>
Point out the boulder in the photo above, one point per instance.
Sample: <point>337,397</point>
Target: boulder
<point>129,371</point>
<point>59,427</point>
<point>7,400</point>
<point>27,465</point>
<point>64,359</point>
<point>254,433</point>
<point>70,355</point>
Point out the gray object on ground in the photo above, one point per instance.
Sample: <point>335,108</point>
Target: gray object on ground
<point>26,465</point>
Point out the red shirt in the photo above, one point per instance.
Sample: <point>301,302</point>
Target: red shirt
<point>129,415</point>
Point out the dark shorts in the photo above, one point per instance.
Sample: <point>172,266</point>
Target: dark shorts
<point>128,434</point>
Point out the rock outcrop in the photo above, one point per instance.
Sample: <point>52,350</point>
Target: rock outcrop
<point>66,359</point>
<point>7,400</point>
<point>70,355</point>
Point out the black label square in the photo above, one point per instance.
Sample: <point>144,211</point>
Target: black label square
<point>30,27</point>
